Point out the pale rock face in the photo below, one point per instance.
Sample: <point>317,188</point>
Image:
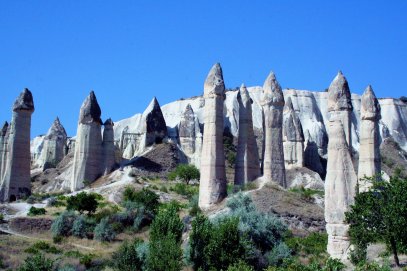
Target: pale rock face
<point>293,137</point>
<point>369,151</point>
<point>3,149</point>
<point>340,186</point>
<point>54,144</point>
<point>212,187</point>
<point>247,167</point>
<point>273,158</point>
<point>312,159</point>
<point>16,181</point>
<point>340,104</point>
<point>88,162</point>
<point>108,147</point>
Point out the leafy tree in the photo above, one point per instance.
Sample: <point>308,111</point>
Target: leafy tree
<point>62,225</point>
<point>103,231</point>
<point>167,222</point>
<point>83,202</point>
<point>126,257</point>
<point>144,198</point>
<point>37,263</point>
<point>199,239</point>
<point>240,266</point>
<point>380,214</point>
<point>185,172</point>
<point>79,227</point>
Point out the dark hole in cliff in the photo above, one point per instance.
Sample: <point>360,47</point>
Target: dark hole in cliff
<point>12,198</point>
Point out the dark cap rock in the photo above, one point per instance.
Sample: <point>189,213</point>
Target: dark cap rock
<point>90,110</point>
<point>339,97</point>
<point>24,102</point>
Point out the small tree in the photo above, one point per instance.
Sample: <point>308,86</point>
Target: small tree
<point>83,202</point>
<point>126,257</point>
<point>185,172</point>
<point>380,214</point>
<point>37,263</point>
<point>103,231</point>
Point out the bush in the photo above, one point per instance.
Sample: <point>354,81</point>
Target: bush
<point>240,266</point>
<point>185,172</point>
<point>314,244</point>
<point>86,260</point>
<point>79,227</point>
<point>36,211</point>
<point>165,254</point>
<point>193,206</point>
<point>37,263</point>
<point>67,268</point>
<point>145,197</point>
<point>167,222</point>
<point>103,231</point>
<point>83,202</point>
<point>126,257</point>
<point>306,193</point>
<point>185,190</point>
<point>279,253</point>
<point>62,225</point>
<point>43,246</point>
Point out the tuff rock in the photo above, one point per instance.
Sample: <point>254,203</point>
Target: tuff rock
<point>293,137</point>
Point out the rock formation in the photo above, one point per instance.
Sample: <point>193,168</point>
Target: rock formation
<point>340,104</point>
<point>88,162</point>
<point>312,160</point>
<point>108,147</point>
<point>293,137</point>
<point>54,144</point>
<point>3,149</point>
<point>212,187</point>
<point>273,152</point>
<point>155,127</point>
<point>16,181</point>
<point>247,167</point>
<point>369,150</point>
<point>186,132</point>
<point>340,186</point>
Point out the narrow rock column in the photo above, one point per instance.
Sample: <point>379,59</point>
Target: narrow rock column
<point>16,179</point>
<point>108,147</point>
<point>340,104</point>
<point>273,154</point>
<point>88,162</point>
<point>293,137</point>
<point>186,133</point>
<point>247,167</point>
<point>340,184</point>
<point>53,150</point>
<point>369,151</point>
<point>212,187</point>
<point>3,149</point>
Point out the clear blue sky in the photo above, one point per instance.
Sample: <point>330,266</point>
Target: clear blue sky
<point>130,51</point>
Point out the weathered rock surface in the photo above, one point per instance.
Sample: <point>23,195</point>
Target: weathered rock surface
<point>16,181</point>
<point>190,136</point>
<point>108,146</point>
<point>312,159</point>
<point>369,151</point>
<point>88,158</point>
<point>340,185</point>
<point>247,167</point>
<point>212,187</point>
<point>273,158</point>
<point>155,127</point>
<point>3,149</point>
<point>53,148</point>
<point>293,137</point>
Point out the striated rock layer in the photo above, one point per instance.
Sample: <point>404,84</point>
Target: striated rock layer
<point>190,136</point>
<point>340,186</point>
<point>109,149</point>
<point>273,153</point>
<point>293,137</point>
<point>16,182</point>
<point>247,167</point>
<point>88,161</point>
<point>369,151</point>
<point>212,187</point>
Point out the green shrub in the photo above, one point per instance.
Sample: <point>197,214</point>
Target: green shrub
<point>83,202</point>
<point>193,206</point>
<point>106,212</point>
<point>126,257</point>
<point>199,239</point>
<point>314,244</point>
<point>306,193</point>
<point>167,222</point>
<point>43,246</point>
<point>372,266</point>
<point>164,189</point>
<point>1,218</point>
<point>62,225</point>
<point>240,266</point>
<point>37,263</point>
<point>36,211</point>
<point>103,231</point>
<point>165,254</point>
<point>231,157</point>
<point>185,189</point>
<point>185,172</point>
<point>86,260</point>
<point>278,254</point>
<point>67,268</point>
<point>145,197</point>
<point>79,227</point>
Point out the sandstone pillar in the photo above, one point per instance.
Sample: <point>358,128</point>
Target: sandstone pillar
<point>273,153</point>
<point>186,132</point>
<point>369,151</point>
<point>212,187</point>
<point>293,137</point>
<point>247,167</point>
<point>108,147</point>
<point>16,179</point>
<point>88,162</point>
<point>3,149</point>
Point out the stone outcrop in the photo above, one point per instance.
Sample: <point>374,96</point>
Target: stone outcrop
<point>273,152</point>
<point>293,137</point>
<point>340,186</point>
<point>88,162</point>
<point>212,187</point>
<point>155,127</point>
<point>369,150</point>
<point>108,146</point>
<point>247,167</point>
<point>3,149</point>
<point>16,181</point>
<point>312,160</point>
<point>340,104</point>
<point>186,131</point>
<point>54,145</point>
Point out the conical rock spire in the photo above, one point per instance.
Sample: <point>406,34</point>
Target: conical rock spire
<point>214,84</point>
<point>339,97</point>
<point>24,102</point>
<point>90,110</point>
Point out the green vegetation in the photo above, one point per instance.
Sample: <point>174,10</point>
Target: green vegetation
<point>379,215</point>
<point>306,193</point>
<point>185,190</point>
<point>83,202</point>
<point>43,246</point>
<point>312,245</point>
<point>36,211</point>
<point>38,262</point>
<point>145,198</point>
<point>62,225</point>
<point>184,172</point>
<point>126,258</point>
<point>103,231</point>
